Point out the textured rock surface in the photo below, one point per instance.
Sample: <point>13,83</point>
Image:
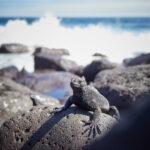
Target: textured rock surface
<point>121,86</point>
<point>13,98</point>
<point>55,84</point>
<point>16,98</point>
<point>132,133</point>
<point>39,130</point>
<point>10,72</point>
<point>44,100</point>
<point>140,60</point>
<point>52,51</point>
<point>95,67</point>
<point>13,48</point>
<point>54,62</point>
<point>12,102</point>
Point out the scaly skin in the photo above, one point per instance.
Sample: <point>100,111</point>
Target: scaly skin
<point>88,98</point>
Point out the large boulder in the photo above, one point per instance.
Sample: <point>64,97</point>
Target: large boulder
<point>13,48</point>
<point>121,86</point>
<point>132,133</point>
<point>41,130</point>
<point>15,98</point>
<point>8,85</point>
<point>139,60</point>
<point>55,84</point>
<point>53,62</point>
<point>95,67</point>
<point>52,51</point>
<point>9,72</point>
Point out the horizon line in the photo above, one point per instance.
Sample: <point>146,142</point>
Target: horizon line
<point>76,16</point>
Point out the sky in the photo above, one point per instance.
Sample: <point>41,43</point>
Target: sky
<point>75,8</point>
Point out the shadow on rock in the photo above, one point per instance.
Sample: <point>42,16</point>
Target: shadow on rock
<point>39,129</point>
<point>45,128</point>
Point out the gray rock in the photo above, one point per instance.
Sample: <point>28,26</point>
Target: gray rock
<point>139,60</point>
<point>52,51</point>
<point>7,84</point>
<point>54,84</point>
<point>95,67</point>
<point>40,130</point>
<point>53,62</point>
<point>15,98</point>
<point>122,86</point>
<point>77,71</point>
<point>10,72</point>
<point>100,55</point>
<point>13,48</point>
<point>43,100</point>
<point>12,102</point>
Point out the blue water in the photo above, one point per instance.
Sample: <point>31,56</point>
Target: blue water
<point>58,94</point>
<point>132,24</point>
<point>137,24</point>
<point>29,20</point>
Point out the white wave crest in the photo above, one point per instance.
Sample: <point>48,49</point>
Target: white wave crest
<point>81,42</point>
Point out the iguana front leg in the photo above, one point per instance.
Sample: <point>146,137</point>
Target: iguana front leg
<point>94,123</point>
<point>66,106</point>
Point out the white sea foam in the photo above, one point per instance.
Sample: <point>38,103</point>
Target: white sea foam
<point>81,42</point>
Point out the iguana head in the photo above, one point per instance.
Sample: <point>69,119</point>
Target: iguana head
<point>78,82</point>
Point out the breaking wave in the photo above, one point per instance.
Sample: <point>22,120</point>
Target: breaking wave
<point>81,42</point>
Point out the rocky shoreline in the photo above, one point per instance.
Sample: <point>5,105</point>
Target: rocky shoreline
<point>29,124</point>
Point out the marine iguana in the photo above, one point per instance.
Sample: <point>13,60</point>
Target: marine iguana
<point>88,98</point>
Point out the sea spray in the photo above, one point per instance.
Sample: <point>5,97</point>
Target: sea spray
<point>81,42</point>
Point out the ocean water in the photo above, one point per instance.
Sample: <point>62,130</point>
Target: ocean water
<point>117,38</point>
<point>133,24</point>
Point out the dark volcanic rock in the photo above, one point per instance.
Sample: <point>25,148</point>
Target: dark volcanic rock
<point>53,62</point>
<point>77,71</point>
<point>122,86</point>
<point>132,133</point>
<point>55,84</point>
<point>43,100</point>
<point>99,55</point>
<point>95,67</point>
<point>13,102</point>
<point>52,51</point>
<point>40,130</point>
<point>140,60</point>
<point>15,98</point>
<point>13,48</point>
<point>7,84</point>
<point>10,72</point>
<point>46,82</point>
